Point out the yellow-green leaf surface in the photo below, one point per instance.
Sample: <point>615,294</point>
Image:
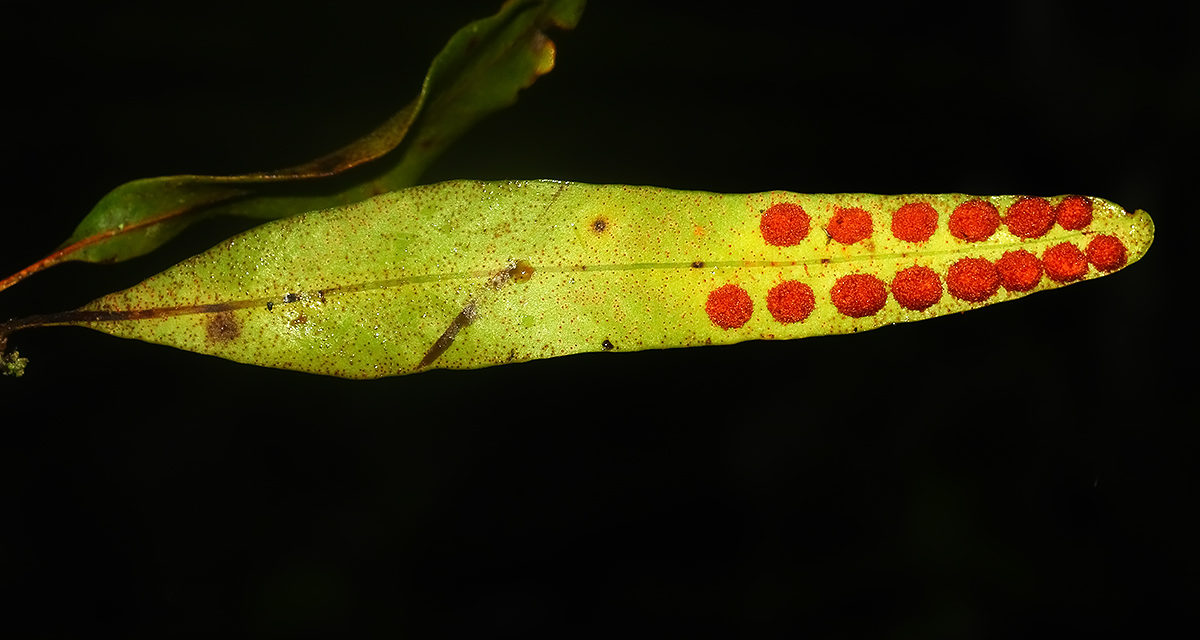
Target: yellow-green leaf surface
<point>471,274</point>
<point>480,70</point>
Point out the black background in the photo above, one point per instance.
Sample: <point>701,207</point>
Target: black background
<point>1028,467</point>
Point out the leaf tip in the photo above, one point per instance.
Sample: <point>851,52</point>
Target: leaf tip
<point>546,54</point>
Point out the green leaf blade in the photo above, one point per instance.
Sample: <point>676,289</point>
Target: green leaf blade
<point>369,289</point>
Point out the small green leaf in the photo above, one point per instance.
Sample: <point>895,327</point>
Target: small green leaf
<point>472,274</point>
<point>480,70</point>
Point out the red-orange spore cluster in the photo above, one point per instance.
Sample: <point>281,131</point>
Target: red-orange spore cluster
<point>1019,270</point>
<point>973,279</point>
<point>917,288</point>
<point>729,306</point>
<point>914,222</point>
<point>1030,217</point>
<point>1074,212</point>
<point>790,301</point>
<point>1107,253</point>
<point>858,295</point>
<point>1064,262</point>
<point>784,224</point>
<point>974,221</point>
<point>848,226</point>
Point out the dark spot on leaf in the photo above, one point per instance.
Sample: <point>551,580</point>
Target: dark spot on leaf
<point>824,260</point>
<point>291,297</point>
<point>698,264</point>
<point>299,320</point>
<point>606,345</point>
<point>270,306</point>
<point>223,327</point>
<point>599,225</point>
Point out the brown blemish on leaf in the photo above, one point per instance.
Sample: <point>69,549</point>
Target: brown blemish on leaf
<point>699,264</point>
<point>522,271</point>
<point>606,345</point>
<point>299,320</point>
<point>519,271</point>
<point>222,327</point>
<point>599,224</point>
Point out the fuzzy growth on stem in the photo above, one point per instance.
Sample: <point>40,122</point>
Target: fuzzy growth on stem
<point>11,364</point>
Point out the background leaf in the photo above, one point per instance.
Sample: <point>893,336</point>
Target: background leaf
<point>480,70</point>
<point>761,489</point>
